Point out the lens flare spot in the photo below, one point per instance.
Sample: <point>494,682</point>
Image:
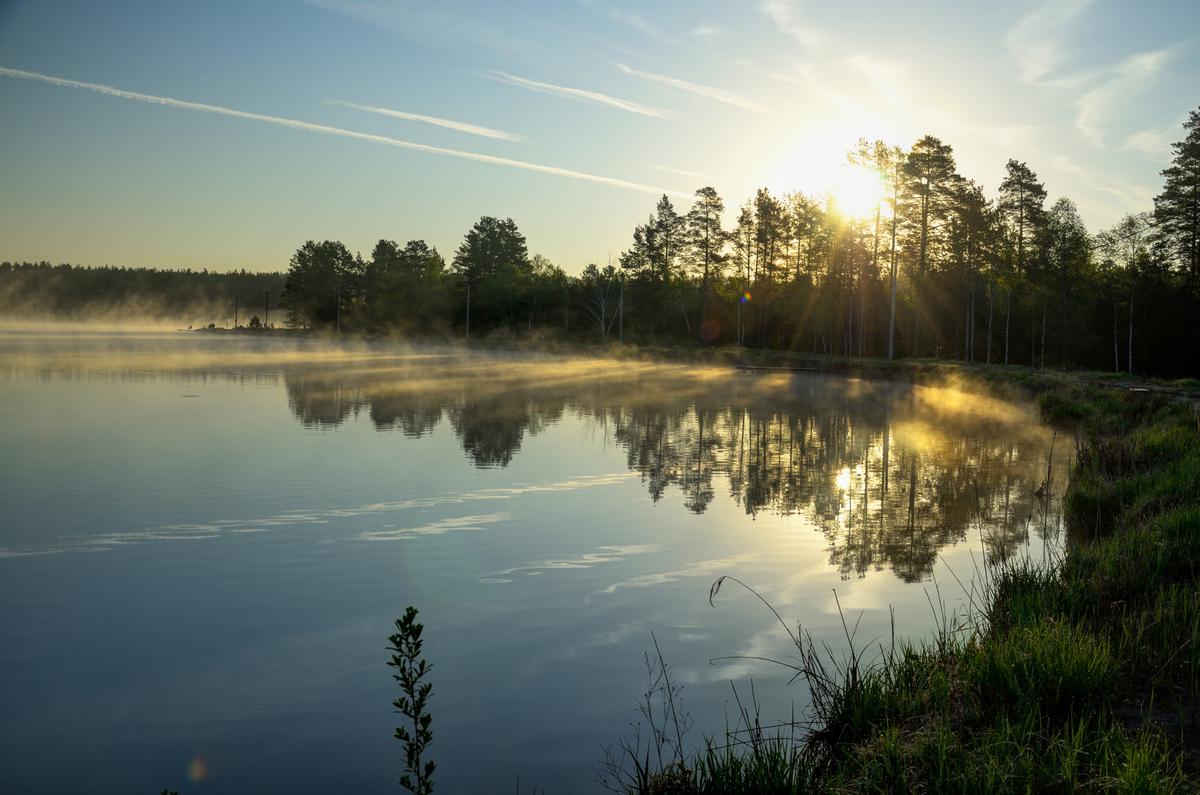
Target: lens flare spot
<point>197,769</point>
<point>745,299</point>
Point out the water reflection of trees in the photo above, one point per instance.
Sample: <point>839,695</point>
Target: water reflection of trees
<point>890,474</point>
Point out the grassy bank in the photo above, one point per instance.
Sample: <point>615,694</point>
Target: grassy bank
<point>1081,676</point>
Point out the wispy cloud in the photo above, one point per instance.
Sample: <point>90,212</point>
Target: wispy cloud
<point>708,92</point>
<point>685,173</point>
<point>475,522</point>
<point>706,32</point>
<point>640,24</point>
<point>582,95</point>
<point>324,129</point>
<point>1125,79</point>
<point>1037,42</point>
<point>1130,197</point>
<point>449,124</point>
<point>605,554</point>
<point>195,531</point>
<point>887,79</point>
<point>1156,143</point>
<point>694,569</point>
<point>428,22</point>
<point>787,16</point>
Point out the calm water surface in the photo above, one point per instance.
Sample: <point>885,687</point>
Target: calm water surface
<point>204,542</point>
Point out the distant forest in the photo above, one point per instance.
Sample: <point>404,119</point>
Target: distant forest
<point>938,268</point>
<point>41,291</point>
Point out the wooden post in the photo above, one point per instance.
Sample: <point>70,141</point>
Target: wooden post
<point>266,308</point>
<point>235,311</point>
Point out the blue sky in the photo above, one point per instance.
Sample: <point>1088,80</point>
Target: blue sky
<point>239,129</point>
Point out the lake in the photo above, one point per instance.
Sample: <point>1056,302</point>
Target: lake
<point>205,541</point>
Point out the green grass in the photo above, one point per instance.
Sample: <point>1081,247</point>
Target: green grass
<point>1080,676</point>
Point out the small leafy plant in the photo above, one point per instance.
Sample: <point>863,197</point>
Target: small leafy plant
<point>411,669</point>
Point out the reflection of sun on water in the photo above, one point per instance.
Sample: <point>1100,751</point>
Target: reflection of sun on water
<point>843,479</point>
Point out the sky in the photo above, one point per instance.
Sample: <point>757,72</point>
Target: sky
<point>223,134</point>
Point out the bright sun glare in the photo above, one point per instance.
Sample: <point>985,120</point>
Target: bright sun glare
<point>856,191</point>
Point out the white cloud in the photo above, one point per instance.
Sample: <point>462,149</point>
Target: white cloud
<point>475,522</point>
<point>695,569</point>
<point>324,129</point>
<point>1121,82</point>
<point>886,79</point>
<point>459,126</point>
<point>1131,198</point>
<point>708,92</point>
<point>428,22</point>
<point>685,173</point>
<point>583,95</point>
<point>786,16</point>
<point>1156,143</point>
<point>1037,43</point>
<point>640,24</point>
<point>605,554</point>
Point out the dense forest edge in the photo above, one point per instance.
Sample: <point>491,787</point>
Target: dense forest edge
<point>936,268</point>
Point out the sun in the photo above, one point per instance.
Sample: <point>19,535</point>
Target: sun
<point>856,191</point>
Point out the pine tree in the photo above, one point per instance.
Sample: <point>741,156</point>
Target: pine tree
<point>1177,208</point>
<point>928,174</point>
<point>706,239</point>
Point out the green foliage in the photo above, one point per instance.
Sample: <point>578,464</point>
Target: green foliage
<point>406,288</point>
<point>1050,665</point>
<point>1177,208</point>
<point>323,281</point>
<point>406,645</point>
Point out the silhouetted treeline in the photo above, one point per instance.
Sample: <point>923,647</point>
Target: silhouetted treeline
<point>937,268</point>
<point>41,291</point>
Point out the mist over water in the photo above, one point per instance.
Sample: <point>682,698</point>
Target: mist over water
<point>205,539</point>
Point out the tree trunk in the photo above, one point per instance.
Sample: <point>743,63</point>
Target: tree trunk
<point>862,313</point>
<point>621,312</point>
<point>1131,333</point>
<point>1043,336</point>
<point>1116,353</point>
<point>971,348</point>
<point>991,306</point>
<point>892,310</point>
<point>1007,319</point>
<point>967,331</point>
